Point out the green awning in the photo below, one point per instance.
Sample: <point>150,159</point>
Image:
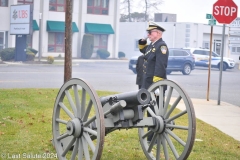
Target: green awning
<point>59,26</point>
<point>35,25</point>
<point>97,28</point>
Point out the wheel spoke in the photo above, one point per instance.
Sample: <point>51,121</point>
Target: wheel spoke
<point>171,145</point>
<point>158,146</point>
<point>70,144</point>
<point>66,110</point>
<point>83,102</point>
<point>161,100</point>
<point>90,142</point>
<point>89,121</point>
<point>80,151</point>
<point>61,121</point>
<point>176,116</point>
<point>151,112</point>
<point>85,149</point>
<point>147,134</point>
<point>167,100</point>
<point>165,150</point>
<point>87,112</point>
<point>90,131</point>
<point>62,136</point>
<point>77,99</point>
<point>172,107</point>
<point>152,143</point>
<point>176,137</point>
<point>153,97</point>
<point>75,149</point>
<point>176,127</point>
<point>70,100</point>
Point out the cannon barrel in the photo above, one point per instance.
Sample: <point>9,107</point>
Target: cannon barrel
<point>139,97</point>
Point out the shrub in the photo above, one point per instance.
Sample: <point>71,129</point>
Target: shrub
<point>50,59</point>
<point>30,56</point>
<point>32,50</point>
<point>87,46</point>
<point>121,54</point>
<point>103,53</point>
<point>7,54</point>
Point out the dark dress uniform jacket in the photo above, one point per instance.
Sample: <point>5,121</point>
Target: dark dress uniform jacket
<point>139,70</point>
<point>155,61</point>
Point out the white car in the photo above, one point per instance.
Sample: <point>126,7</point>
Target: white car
<point>202,59</point>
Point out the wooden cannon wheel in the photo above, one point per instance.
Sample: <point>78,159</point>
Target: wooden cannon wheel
<point>175,123</point>
<point>78,122</point>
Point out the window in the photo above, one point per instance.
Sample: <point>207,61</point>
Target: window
<point>98,7</point>
<point>238,49</point>
<point>200,52</point>
<point>25,1</point>
<point>3,3</point>
<point>57,5</point>
<point>56,42</point>
<point>100,41</point>
<point>179,53</point>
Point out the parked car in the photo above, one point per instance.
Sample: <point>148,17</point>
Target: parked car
<point>178,60</point>
<point>202,59</point>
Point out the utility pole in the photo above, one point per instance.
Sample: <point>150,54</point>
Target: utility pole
<point>68,41</point>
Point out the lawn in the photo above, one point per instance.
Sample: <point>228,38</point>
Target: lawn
<point>26,131</point>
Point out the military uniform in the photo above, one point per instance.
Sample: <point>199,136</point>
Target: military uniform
<point>155,60</point>
<point>139,70</point>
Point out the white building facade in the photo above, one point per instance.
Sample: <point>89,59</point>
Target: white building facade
<point>97,17</point>
<point>178,35</point>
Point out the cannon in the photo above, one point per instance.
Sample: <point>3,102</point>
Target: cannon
<point>81,120</point>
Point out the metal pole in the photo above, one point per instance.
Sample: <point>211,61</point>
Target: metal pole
<point>68,41</point>
<point>209,66</point>
<point>221,65</point>
<point>40,38</point>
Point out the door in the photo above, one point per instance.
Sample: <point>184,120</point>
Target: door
<point>2,40</point>
<point>20,49</point>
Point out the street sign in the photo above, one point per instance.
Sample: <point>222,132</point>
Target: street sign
<point>209,16</point>
<point>235,23</point>
<point>212,22</point>
<point>225,11</point>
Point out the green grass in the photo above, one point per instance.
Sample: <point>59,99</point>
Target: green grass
<point>26,128</point>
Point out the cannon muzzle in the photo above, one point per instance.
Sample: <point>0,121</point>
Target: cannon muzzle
<point>140,97</point>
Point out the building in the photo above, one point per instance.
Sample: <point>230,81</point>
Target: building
<point>165,17</point>
<point>97,17</point>
<point>178,35</point>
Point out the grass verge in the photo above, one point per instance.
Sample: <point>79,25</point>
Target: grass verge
<point>26,131</point>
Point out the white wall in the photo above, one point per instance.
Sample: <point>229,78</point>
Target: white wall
<point>174,36</point>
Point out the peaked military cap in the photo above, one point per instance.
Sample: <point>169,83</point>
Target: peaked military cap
<point>152,25</point>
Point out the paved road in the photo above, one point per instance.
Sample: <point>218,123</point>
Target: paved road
<point>115,76</point>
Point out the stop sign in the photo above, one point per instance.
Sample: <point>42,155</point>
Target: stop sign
<point>225,11</point>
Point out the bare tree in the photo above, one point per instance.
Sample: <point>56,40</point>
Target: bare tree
<point>151,6</point>
<point>127,5</point>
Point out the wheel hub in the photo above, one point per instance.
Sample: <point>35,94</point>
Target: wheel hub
<point>75,127</point>
<point>160,125</point>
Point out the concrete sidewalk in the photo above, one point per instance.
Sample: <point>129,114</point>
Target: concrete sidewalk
<point>225,117</point>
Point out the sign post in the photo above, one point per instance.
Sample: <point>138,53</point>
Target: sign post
<point>211,22</point>
<point>224,12</point>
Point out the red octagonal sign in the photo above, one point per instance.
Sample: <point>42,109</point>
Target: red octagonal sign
<point>225,11</point>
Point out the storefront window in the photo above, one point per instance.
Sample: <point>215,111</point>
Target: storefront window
<point>98,7</point>
<point>56,42</point>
